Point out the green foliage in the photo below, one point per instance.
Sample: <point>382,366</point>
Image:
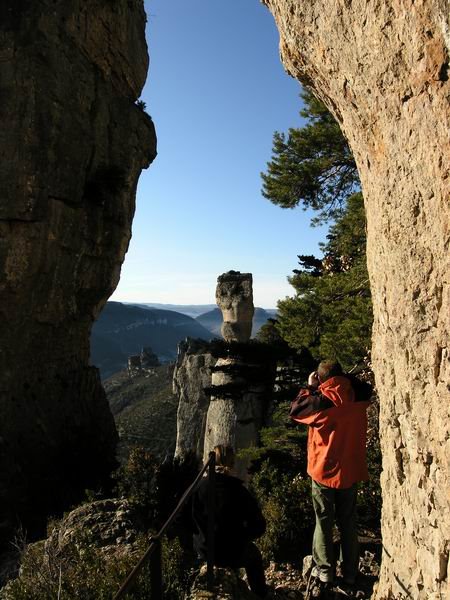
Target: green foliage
<point>281,487</point>
<point>269,334</point>
<point>312,165</point>
<point>155,488</point>
<point>289,516</point>
<point>329,316</point>
<point>178,568</point>
<point>141,105</point>
<point>78,570</point>
<point>145,411</point>
<point>331,313</point>
<point>137,480</point>
<point>347,236</point>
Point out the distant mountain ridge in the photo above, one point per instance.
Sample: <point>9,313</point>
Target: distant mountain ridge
<point>192,310</point>
<point>124,329</point>
<point>212,320</point>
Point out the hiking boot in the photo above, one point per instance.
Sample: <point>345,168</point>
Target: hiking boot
<point>349,589</point>
<point>318,589</point>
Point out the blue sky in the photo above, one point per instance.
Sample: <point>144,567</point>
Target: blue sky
<point>216,91</point>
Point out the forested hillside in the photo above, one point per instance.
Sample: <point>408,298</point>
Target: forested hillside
<point>123,329</point>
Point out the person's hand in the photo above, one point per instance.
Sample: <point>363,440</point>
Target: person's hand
<point>313,379</point>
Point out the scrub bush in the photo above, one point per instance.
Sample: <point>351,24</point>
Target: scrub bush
<point>279,482</point>
<point>79,570</point>
<point>82,569</point>
<point>288,512</point>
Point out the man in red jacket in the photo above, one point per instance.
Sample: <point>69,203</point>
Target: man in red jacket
<point>334,406</point>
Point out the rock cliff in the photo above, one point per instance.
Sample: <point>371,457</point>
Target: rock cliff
<point>191,377</point>
<point>72,143</point>
<point>382,69</point>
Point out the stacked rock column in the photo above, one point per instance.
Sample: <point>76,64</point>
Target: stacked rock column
<point>240,386</point>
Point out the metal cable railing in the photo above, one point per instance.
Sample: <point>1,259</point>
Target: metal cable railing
<point>153,552</point>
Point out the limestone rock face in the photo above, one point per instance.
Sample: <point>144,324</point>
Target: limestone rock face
<point>239,406</point>
<point>382,69</point>
<point>234,297</point>
<point>192,375</point>
<point>72,145</point>
<point>222,400</point>
<point>109,523</point>
<point>143,363</point>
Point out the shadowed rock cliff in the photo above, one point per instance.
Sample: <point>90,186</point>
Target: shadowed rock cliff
<point>72,144</point>
<point>381,67</point>
<point>191,377</point>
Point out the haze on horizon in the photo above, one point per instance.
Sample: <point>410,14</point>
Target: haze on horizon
<point>216,91</point>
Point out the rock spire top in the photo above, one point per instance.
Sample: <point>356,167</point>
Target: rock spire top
<point>234,297</point>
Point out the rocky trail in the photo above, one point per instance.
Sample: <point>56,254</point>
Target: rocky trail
<point>288,581</point>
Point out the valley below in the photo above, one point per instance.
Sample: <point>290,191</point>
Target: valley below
<point>145,411</point>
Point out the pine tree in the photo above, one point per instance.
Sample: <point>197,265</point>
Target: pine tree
<point>311,166</point>
<point>331,312</point>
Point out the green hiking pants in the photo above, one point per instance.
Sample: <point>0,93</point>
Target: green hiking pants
<point>330,505</point>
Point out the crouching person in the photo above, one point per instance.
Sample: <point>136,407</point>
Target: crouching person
<point>237,522</point>
<point>334,406</point>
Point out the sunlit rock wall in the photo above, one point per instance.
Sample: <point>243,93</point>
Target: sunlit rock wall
<point>240,406</point>
<point>381,66</point>
<point>72,145</point>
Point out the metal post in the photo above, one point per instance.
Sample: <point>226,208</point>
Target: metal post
<point>211,519</point>
<point>156,572</point>
<point>155,545</point>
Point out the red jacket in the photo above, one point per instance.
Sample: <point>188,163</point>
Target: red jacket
<point>336,415</point>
